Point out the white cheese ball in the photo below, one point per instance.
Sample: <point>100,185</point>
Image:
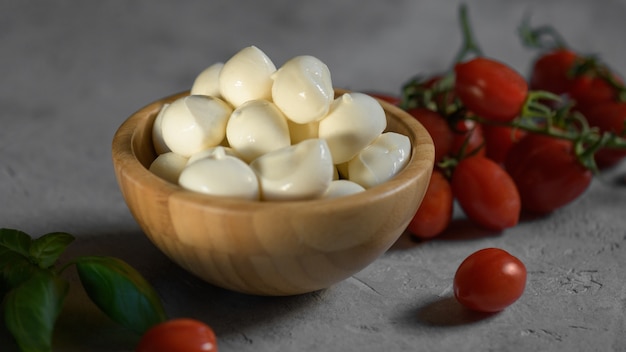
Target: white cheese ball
<point>208,82</point>
<point>297,172</point>
<point>381,160</point>
<point>168,166</point>
<point>340,188</point>
<point>257,127</point>
<point>303,89</point>
<point>354,121</point>
<point>221,175</point>
<point>194,123</point>
<point>157,132</point>
<point>247,76</point>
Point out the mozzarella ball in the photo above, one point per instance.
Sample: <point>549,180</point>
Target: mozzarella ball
<point>194,123</point>
<point>255,128</point>
<point>340,188</point>
<point>303,89</point>
<point>247,76</point>
<point>221,175</point>
<point>168,166</point>
<point>208,82</point>
<point>381,160</point>
<point>297,172</point>
<point>354,121</point>
<point>157,132</point>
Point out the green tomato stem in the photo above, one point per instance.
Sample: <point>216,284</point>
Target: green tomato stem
<point>542,37</point>
<point>470,45</point>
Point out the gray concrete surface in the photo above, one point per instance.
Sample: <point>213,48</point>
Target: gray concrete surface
<point>72,71</point>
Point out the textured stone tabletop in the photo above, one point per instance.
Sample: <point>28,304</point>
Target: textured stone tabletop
<point>72,71</point>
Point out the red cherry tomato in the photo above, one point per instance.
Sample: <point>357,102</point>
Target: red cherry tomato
<point>550,71</point>
<point>486,193</point>
<point>546,172</point>
<point>609,117</point>
<point>439,130</point>
<point>178,335</point>
<point>435,213</point>
<point>499,140</point>
<point>489,280</point>
<point>468,136</point>
<point>589,91</point>
<point>490,89</point>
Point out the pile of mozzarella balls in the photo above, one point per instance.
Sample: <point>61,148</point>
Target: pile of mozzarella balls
<point>251,131</point>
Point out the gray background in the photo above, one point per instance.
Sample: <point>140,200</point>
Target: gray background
<point>72,71</point>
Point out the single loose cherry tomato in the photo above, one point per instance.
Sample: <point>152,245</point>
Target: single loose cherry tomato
<point>499,140</point>
<point>435,213</point>
<point>490,89</point>
<point>468,139</point>
<point>547,173</point>
<point>550,71</point>
<point>489,280</point>
<point>438,128</point>
<point>179,335</point>
<point>486,193</point>
<point>609,117</point>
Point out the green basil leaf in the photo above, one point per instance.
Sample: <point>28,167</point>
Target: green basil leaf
<point>16,241</point>
<point>15,268</point>
<point>46,249</point>
<point>121,292</point>
<point>31,310</point>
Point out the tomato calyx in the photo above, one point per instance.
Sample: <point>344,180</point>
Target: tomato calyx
<point>543,37</point>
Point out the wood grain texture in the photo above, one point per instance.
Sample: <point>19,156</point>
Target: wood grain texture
<point>269,248</point>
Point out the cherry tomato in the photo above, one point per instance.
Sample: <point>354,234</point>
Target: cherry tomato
<point>435,213</point>
<point>588,91</point>
<point>468,136</point>
<point>391,99</point>
<point>547,173</point>
<point>490,89</point>
<point>178,335</point>
<point>439,130</point>
<point>486,193</point>
<point>499,140</point>
<point>550,71</point>
<point>609,117</point>
<point>489,280</point>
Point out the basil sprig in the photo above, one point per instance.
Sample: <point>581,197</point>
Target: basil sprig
<point>33,291</point>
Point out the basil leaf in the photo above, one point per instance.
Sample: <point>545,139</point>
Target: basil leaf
<point>16,241</point>
<point>31,310</point>
<point>46,249</point>
<point>14,268</point>
<point>121,292</point>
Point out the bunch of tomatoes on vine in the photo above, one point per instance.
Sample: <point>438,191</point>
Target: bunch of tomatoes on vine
<point>505,144</point>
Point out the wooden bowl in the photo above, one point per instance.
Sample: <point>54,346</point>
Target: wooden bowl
<point>269,248</point>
